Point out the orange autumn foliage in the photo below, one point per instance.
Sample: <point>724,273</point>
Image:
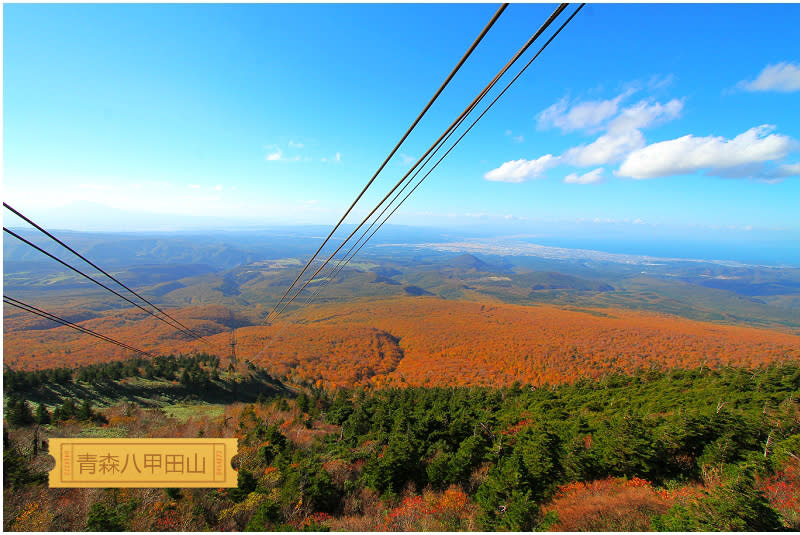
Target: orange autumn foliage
<point>612,504</point>
<point>457,343</point>
<point>423,341</point>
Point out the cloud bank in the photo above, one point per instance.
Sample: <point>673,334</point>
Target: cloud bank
<point>757,153</point>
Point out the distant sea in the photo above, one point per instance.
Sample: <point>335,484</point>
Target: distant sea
<point>761,252</point>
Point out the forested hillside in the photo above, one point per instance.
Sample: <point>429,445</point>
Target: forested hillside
<point>677,450</point>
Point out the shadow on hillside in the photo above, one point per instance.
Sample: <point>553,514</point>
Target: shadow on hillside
<point>159,392</point>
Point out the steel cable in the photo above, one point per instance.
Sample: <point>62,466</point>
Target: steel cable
<point>98,268</point>
<point>76,270</point>
<point>392,153</point>
<point>47,315</point>
<point>466,111</point>
<point>344,262</point>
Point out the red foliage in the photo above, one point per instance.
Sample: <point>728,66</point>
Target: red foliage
<point>783,492</point>
<point>315,519</point>
<point>408,514</point>
<point>516,428</point>
<point>168,521</point>
<point>451,510</point>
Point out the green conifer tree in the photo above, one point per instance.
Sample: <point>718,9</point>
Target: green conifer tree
<point>42,415</point>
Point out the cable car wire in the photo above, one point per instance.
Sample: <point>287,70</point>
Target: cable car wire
<point>98,268</point>
<point>47,315</point>
<point>394,150</point>
<point>342,263</point>
<point>274,338</point>
<point>76,270</point>
<point>466,111</point>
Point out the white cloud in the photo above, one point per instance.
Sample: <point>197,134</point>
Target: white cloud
<point>276,153</point>
<point>218,187</point>
<point>337,158</point>
<point>587,115</point>
<point>592,177</point>
<point>624,135</point>
<point>623,128</point>
<point>737,157</point>
<point>195,186</point>
<point>522,170</point>
<point>757,153</point>
<point>784,77</point>
<point>643,115</point>
<point>275,156</point>
<point>608,148</point>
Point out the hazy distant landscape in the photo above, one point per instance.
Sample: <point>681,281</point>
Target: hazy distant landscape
<point>249,271</point>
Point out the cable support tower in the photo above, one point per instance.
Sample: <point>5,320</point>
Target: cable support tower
<point>47,315</point>
<point>98,268</point>
<point>233,347</point>
<point>392,153</point>
<point>456,122</point>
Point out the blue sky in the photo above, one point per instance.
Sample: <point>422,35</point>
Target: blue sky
<point>639,116</point>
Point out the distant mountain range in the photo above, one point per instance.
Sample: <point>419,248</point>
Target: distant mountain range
<point>249,269</point>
